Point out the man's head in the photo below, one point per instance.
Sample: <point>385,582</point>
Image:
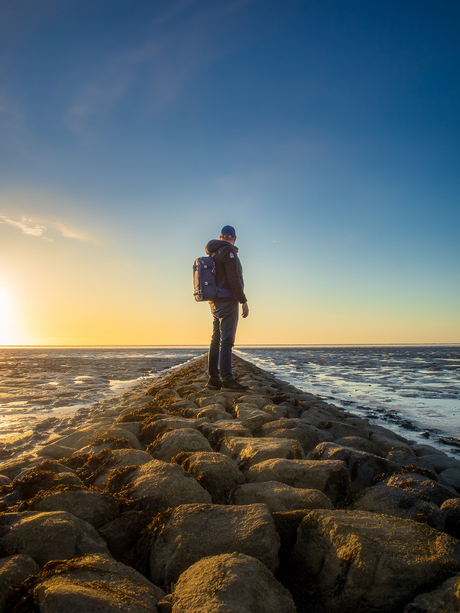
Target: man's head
<point>228,234</point>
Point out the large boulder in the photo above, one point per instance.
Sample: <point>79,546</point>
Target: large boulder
<point>227,583</point>
<point>14,570</point>
<point>94,507</point>
<point>158,485</point>
<point>191,532</point>
<point>362,466</point>
<point>252,417</point>
<point>444,599</point>
<point>216,472</point>
<point>94,468</point>
<point>308,436</point>
<point>49,536</point>
<point>355,562</point>
<point>402,503</point>
<point>151,430</point>
<point>360,444</point>
<point>221,429</point>
<point>339,429</point>
<point>279,497</point>
<point>168,444</point>
<point>451,511</point>
<point>328,476</point>
<point>249,451</point>
<point>93,584</point>
<point>422,486</point>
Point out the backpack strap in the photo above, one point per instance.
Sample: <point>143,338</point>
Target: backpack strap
<point>221,291</point>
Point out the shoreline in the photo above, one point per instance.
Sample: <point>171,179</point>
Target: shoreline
<point>260,476</point>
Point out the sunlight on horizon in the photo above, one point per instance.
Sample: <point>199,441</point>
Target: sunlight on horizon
<point>8,334</point>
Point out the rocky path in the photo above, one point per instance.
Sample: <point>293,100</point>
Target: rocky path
<point>187,500</point>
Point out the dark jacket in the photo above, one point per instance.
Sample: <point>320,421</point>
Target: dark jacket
<point>228,267</point>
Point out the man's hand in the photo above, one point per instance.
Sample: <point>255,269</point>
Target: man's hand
<point>245,309</point>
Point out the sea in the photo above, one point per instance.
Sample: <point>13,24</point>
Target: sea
<point>411,389</point>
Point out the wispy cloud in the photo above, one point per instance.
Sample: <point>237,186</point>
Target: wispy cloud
<point>33,228</point>
<point>26,226</point>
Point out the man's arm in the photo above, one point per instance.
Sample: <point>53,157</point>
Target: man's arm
<point>245,312</point>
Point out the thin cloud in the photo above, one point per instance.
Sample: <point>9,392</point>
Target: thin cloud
<point>31,228</point>
<point>26,226</point>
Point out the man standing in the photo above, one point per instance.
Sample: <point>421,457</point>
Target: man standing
<point>229,273</point>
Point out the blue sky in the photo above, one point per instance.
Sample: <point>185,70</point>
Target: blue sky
<point>326,132</point>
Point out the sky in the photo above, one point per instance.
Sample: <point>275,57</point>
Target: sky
<point>326,132</point>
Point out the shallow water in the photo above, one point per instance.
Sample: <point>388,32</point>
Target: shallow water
<point>413,389</point>
<point>45,390</point>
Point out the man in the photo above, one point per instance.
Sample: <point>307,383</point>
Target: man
<point>229,273</point>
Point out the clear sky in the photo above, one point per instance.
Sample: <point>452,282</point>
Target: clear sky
<point>326,132</point>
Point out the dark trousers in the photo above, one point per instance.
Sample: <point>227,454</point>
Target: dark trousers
<point>224,323</point>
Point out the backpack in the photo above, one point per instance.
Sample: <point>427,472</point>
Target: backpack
<point>204,281</point>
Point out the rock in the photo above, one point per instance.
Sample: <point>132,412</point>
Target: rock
<point>191,532</point>
<point>14,570</point>
<point>280,497</point>
<point>402,458</point>
<point>318,417</point>
<point>251,417</point>
<point>387,442</point>
<point>422,449</point>
<point>451,510</point>
<point>452,477</point>
<point>363,467</point>
<point>223,398</point>
<point>159,485</point>
<point>95,583</point>
<point>215,472</point>
<point>214,412</point>
<point>150,431</point>
<point>249,451</point>
<point>256,400</point>
<point>81,437</point>
<point>134,427</point>
<point>91,506</point>
<point>4,480</point>
<point>122,432</point>
<point>441,461</point>
<point>169,444</point>
<point>244,586</point>
<point>329,476</point>
<point>219,430</point>
<point>49,536</point>
<point>360,444</point>
<point>101,465</point>
<point>308,436</point>
<point>123,533</point>
<point>56,452</point>
<point>402,503</point>
<point>422,486</point>
<point>444,599</point>
<point>338,429</point>
<point>361,562</point>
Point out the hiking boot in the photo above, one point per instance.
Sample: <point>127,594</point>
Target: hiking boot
<point>214,383</point>
<point>232,384</point>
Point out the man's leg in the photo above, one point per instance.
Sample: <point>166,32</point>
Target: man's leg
<point>213,356</point>
<point>228,315</point>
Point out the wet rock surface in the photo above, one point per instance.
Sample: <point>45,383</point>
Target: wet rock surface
<point>192,499</point>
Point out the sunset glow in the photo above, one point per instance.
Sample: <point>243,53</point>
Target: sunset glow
<point>325,133</point>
